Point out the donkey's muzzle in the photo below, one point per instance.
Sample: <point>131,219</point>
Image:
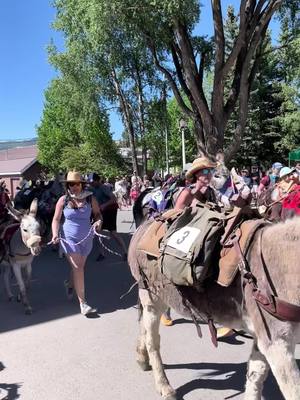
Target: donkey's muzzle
<point>34,244</point>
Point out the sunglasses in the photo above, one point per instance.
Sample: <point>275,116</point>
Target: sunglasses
<point>207,171</point>
<point>71,184</point>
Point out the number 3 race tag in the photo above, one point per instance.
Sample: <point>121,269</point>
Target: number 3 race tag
<point>184,238</point>
<point>158,197</point>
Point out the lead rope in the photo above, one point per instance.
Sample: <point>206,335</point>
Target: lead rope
<point>91,231</point>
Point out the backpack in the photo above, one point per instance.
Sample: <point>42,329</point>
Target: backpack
<point>191,246</point>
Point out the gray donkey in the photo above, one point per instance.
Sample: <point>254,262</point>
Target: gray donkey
<point>21,245</point>
<point>273,257</point>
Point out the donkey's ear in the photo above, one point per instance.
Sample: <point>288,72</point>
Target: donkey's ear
<point>33,207</point>
<point>15,213</point>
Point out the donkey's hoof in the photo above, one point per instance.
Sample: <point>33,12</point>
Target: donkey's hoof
<point>11,298</point>
<point>144,365</point>
<point>19,298</point>
<point>28,311</point>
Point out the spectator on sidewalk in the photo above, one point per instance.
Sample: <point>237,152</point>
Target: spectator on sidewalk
<point>108,184</point>
<point>157,179</point>
<point>270,179</point>
<point>109,209</point>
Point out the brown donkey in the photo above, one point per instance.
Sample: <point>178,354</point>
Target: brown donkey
<point>274,260</point>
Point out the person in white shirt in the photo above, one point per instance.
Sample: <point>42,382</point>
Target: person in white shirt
<point>120,192</point>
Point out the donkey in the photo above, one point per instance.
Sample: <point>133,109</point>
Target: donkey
<point>22,243</point>
<point>273,257</point>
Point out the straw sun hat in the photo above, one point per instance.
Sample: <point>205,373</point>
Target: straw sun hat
<point>199,163</point>
<point>74,176</point>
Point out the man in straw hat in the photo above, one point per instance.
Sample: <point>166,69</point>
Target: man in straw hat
<point>76,239</point>
<point>199,174</point>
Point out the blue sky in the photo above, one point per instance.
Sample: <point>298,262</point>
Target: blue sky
<point>25,32</point>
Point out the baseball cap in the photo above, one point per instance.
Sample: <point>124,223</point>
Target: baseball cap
<point>277,165</point>
<point>286,171</point>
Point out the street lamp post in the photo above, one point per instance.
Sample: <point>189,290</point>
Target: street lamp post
<point>182,127</point>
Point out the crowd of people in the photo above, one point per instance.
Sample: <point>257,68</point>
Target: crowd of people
<point>89,205</point>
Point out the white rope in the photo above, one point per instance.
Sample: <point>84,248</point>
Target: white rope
<point>103,245</point>
<point>91,231</point>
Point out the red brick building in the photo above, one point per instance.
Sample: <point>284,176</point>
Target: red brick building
<point>17,163</point>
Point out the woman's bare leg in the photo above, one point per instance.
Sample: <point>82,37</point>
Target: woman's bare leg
<point>77,263</point>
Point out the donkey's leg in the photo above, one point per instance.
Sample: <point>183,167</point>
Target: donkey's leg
<point>7,282</point>
<point>281,358</point>
<point>152,310</point>
<point>142,356</point>
<point>258,369</point>
<point>18,275</point>
<point>28,275</point>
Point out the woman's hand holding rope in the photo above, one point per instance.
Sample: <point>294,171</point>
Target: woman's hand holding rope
<point>96,226</point>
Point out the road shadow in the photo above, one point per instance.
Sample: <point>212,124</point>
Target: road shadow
<point>110,279</point>
<point>234,339</point>
<point>235,378</point>
<point>180,321</point>
<point>105,281</point>
<point>9,391</point>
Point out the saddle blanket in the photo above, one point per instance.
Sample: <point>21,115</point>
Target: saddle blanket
<point>150,242</point>
<point>229,259</point>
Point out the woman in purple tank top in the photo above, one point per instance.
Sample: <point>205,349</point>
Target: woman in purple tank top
<point>77,206</point>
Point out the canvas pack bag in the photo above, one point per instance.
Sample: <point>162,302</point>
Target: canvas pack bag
<point>191,246</point>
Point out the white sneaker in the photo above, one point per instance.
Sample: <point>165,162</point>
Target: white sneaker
<point>85,309</point>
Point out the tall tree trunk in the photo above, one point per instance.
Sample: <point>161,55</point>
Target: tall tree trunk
<point>126,114</point>
<point>141,118</point>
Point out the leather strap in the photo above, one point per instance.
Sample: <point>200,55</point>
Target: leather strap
<point>213,332</point>
<point>275,306</point>
<point>278,308</point>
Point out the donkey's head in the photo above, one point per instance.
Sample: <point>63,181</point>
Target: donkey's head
<point>30,228</point>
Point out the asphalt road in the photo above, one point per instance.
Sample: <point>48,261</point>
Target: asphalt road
<point>57,354</point>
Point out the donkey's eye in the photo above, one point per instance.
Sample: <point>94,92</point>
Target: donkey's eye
<point>25,230</point>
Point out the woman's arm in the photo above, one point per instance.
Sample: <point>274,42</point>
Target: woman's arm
<point>184,199</point>
<point>260,189</point>
<point>57,217</point>
<point>97,216</point>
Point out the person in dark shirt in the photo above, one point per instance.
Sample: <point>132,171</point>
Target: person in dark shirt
<point>109,208</point>
<point>157,179</point>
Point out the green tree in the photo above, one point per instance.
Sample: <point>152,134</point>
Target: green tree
<point>120,65</point>
<point>262,130</point>
<point>167,30</point>
<point>74,131</point>
<point>288,60</point>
